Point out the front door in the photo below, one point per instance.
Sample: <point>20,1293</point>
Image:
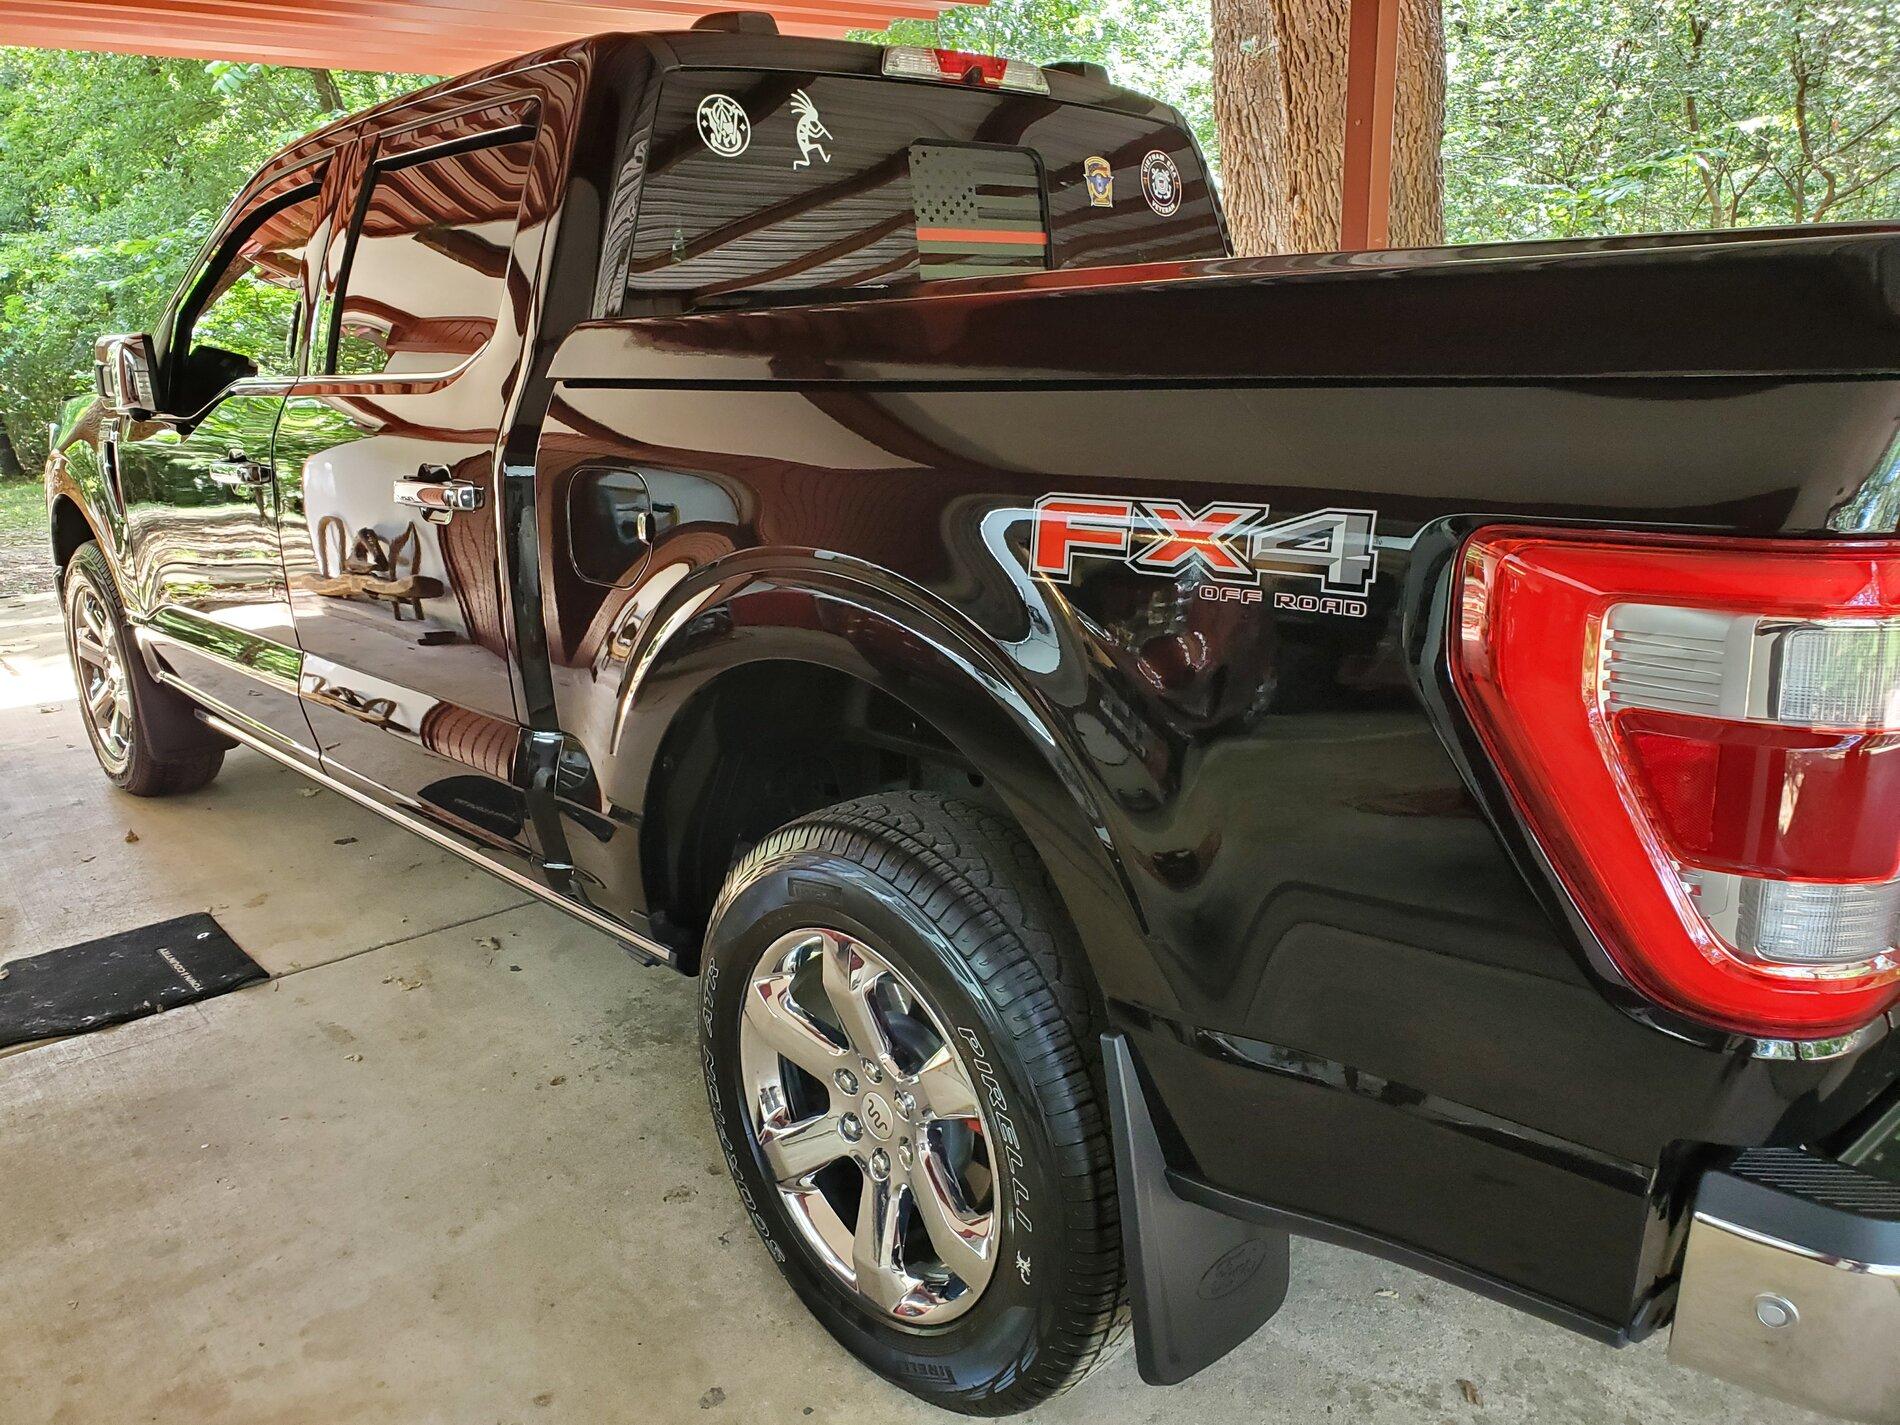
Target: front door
<point>206,582</point>
<point>392,512</point>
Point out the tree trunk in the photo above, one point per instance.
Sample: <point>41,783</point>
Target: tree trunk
<point>10,468</point>
<point>1280,109</point>
<point>328,94</point>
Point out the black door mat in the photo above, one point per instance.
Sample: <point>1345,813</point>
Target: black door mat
<point>120,977</point>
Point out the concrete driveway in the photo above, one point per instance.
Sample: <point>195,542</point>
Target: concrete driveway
<point>452,1164</point>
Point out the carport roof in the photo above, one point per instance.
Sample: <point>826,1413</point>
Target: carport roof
<point>402,36</point>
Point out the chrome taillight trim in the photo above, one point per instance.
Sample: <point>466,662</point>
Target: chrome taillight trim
<point>1751,668</point>
<point>1769,922</point>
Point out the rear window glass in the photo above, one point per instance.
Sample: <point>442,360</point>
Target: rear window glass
<point>764,183</point>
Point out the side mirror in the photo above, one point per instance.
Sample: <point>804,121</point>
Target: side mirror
<point>123,371</point>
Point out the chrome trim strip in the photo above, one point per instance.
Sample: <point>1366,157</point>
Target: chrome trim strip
<point>650,950</point>
<point>1765,1239</point>
<point>276,665</point>
<point>225,712</point>
<point>1813,1050</point>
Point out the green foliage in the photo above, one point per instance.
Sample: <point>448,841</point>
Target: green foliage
<point>113,171</point>
<point>1579,117</point>
<point>1563,118</point>
<point>22,511</point>
<point>1572,118</point>
<point>1160,47</point>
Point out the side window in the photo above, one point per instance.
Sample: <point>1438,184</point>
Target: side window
<point>423,282</point>
<point>243,320</point>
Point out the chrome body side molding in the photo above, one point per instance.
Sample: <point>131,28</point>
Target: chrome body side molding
<point>636,944</point>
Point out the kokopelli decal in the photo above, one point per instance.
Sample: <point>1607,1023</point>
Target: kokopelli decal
<point>811,129</point>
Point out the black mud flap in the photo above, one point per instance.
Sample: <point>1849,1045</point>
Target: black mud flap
<point>1200,1282</point>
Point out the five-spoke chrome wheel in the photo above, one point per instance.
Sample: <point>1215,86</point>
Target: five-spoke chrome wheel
<point>870,1125</point>
<point>99,665</point>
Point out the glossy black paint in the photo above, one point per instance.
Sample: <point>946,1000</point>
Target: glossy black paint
<point>1356,996</point>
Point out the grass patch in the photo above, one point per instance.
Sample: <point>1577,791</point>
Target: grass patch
<point>22,508</point>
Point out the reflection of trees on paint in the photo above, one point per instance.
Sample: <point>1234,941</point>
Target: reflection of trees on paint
<point>1876,508</point>
<point>164,467</point>
<point>308,428</point>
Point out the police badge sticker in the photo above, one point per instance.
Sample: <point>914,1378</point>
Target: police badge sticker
<point>723,125</point>
<point>1161,183</point>
<point>1100,179</point>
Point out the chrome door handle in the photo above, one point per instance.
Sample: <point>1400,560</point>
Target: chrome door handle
<point>439,499</point>
<point>239,471</point>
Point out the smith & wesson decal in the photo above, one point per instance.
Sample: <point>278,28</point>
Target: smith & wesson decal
<point>723,125</point>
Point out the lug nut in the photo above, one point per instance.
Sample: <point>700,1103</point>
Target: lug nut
<point>850,1128</point>
<point>873,1072</point>
<point>904,1154</point>
<point>846,1081</point>
<point>906,1105</point>
<point>880,1165</point>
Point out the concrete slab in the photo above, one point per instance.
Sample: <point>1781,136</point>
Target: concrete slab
<point>297,875</point>
<point>424,1185</point>
<point>410,1182</point>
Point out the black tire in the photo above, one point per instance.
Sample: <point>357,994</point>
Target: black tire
<point>147,765</point>
<point>954,898</point>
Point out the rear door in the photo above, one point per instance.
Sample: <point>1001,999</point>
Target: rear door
<point>393,511</point>
<point>205,572</point>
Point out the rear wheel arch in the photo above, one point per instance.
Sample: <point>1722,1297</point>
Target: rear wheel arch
<point>70,529</point>
<point>863,653</point>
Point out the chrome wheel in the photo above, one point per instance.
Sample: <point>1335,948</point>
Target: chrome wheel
<point>99,666</point>
<point>870,1126</point>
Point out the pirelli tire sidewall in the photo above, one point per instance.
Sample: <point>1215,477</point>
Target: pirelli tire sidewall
<point>989,1347</point>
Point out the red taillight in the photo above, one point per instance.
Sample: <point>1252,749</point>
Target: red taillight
<point>1770,801</point>
<point>1704,738</point>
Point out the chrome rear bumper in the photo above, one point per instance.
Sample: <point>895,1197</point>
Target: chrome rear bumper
<point>1791,1283</point>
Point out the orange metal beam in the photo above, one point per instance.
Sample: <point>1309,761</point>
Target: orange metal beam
<point>1372,76</point>
<point>413,36</point>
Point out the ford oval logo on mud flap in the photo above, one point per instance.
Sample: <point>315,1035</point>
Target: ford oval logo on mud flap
<point>1231,1271</point>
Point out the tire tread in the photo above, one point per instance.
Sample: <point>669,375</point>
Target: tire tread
<point>972,871</point>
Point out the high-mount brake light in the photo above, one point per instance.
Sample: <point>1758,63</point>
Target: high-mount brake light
<point>949,66</point>
<point>1703,736</point>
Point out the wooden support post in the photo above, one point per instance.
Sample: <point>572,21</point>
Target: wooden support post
<point>1372,76</point>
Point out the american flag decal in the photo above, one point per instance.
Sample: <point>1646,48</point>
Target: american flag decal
<point>979,210</point>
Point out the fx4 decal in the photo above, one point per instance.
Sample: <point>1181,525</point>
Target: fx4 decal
<point>1232,544</point>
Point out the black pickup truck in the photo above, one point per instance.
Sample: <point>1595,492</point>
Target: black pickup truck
<point>1147,752</point>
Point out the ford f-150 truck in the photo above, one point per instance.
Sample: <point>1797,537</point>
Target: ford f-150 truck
<point>1147,752</point>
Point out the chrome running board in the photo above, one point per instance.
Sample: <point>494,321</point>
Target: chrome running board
<point>649,950</point>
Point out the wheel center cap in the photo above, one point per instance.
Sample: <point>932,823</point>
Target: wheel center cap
<point>878,1117</point>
